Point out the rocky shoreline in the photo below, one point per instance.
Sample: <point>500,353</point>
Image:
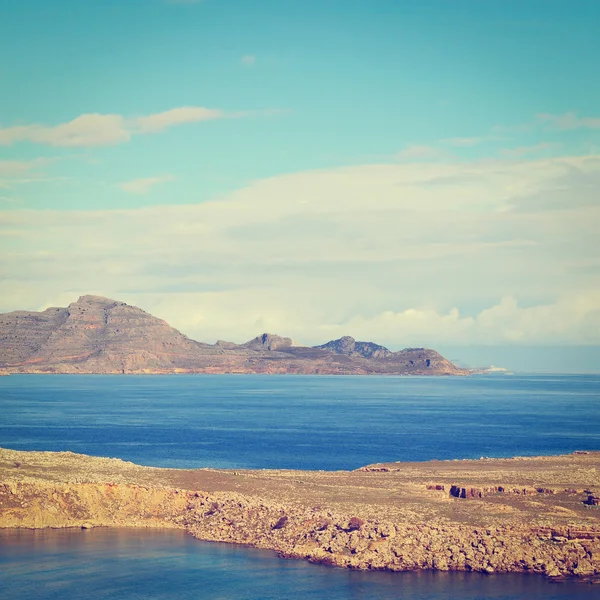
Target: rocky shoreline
<point>534,515</point>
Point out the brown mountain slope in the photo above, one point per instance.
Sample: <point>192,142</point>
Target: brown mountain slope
<point>94,334</point>
<point>100,335</point>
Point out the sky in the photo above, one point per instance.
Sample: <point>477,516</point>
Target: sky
<point>414,173</point>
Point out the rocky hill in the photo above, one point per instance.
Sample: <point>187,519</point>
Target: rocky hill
<point>350,347</point>
<point>100,335</point>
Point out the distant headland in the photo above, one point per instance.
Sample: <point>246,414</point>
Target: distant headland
<point>100,335</point>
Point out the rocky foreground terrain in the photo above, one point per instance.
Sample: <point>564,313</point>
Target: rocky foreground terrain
<point>537,515</point>
<point>100,335</point>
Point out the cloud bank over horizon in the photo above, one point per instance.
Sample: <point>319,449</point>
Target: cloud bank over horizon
<point>492,252</point>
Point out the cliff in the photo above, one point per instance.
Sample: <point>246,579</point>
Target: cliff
<point>535,515</point>
<point>100,335</point>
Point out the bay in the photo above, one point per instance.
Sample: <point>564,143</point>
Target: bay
<point>112,564</point>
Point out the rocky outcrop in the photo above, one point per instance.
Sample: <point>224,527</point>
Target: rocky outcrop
<point>456,491</point>
<point>100,335</point>
<point>268,341</point>
<point>350,347</point>
<point>362,519</point>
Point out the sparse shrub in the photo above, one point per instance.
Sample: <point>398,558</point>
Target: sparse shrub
<point>355,523</point>
<point>281,523</point>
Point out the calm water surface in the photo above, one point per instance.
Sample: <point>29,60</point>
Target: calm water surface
<point>272,422</point>
<point>298,422</point>
<point>136,564</point>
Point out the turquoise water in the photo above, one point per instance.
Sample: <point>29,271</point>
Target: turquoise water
<point>272,422</point>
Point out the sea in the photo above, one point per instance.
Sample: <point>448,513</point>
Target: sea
<point>262,422</point>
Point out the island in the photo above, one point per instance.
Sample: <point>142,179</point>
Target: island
<point>100,335</point>
<point>524,514</point>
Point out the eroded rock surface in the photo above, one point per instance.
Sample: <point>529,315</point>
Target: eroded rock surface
<point>397,516</point>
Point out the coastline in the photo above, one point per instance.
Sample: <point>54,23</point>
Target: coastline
<point>522,514</point>
<point>264,373</point>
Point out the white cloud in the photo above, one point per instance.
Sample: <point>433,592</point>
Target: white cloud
<point>176,116</point>
<point>144,185</point>
<point>85,130</point>
<point>103,130</point>
<point>404,254</point>
<point>248,60</point>
<point>569,120</point>
<point>572,318</point>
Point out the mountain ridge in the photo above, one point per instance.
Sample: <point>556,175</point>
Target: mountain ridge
<point>100,335</point>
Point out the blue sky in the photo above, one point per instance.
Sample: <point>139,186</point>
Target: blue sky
<point>441,157</point>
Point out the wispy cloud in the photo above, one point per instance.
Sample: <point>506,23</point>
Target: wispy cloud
<point>85,130</point>
<point>521,151</point>
<point>512,129</point>
<point>176,116</point>
<point>568,120</point>
<point>96,129</point>
<point>14,173</point>
<point>248,60</point>
<point>551,122</point>
<point>144,185</point>
<point>9,199</point>
<point>420,152</point>
<point>9,168</point>
<point>465,142</point>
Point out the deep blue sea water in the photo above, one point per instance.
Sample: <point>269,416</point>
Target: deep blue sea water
<point>272,422</point>
<point>299,422</point>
